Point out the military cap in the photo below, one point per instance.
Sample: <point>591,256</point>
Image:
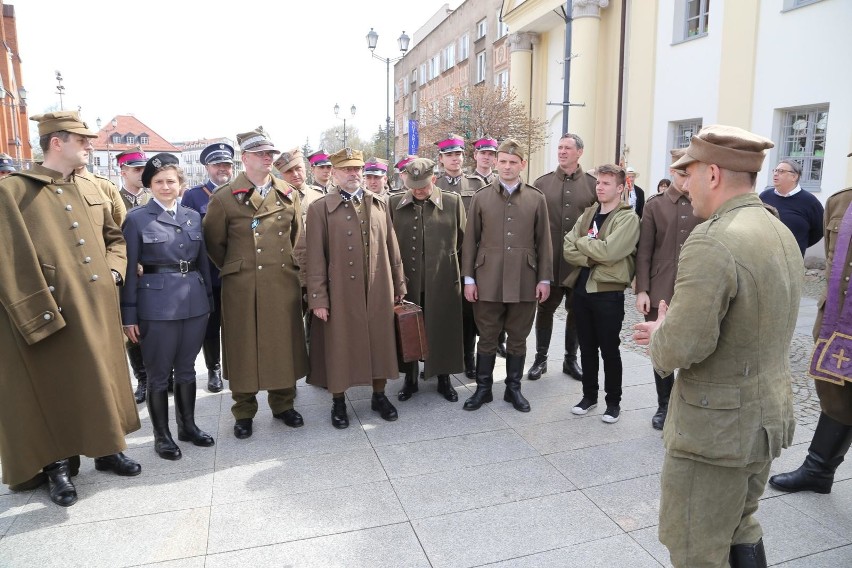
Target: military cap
<point>512,146</point>
<point>155,164</point>
<point>452,143</point>
<point>728,147</point>
<point>400,165</point>
<point>67,120</point>
<point>289,159</point>
<point>376,167</point>
<point>219,153</point>
<point>485,143</point>
<point>7,164</point>
<point>676,155</point>
<point>132,157</point>
<point>346,158</point>
<point>420,172</point>
<point>319,158</point>
<point>256,140</point>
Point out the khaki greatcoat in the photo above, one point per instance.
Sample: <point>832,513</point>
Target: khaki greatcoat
<point>358,342</point>
<point>110,191</point>
<point>466,187</point>
<point>250,239</point>
<point>64,383</point>
<point>430,237</point>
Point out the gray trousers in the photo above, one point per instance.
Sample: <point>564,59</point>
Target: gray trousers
<point>171,344</point>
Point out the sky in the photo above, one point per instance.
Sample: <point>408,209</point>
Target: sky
<point>192,69</point>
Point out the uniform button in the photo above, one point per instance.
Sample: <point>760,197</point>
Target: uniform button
<point>352,277</point>
<point>59,309</point>
<point>847,279</point>
<point>348,217</point>
<point>260,267</point>
<point>509,233</point>
<point>364,232</point>
<point>313,295</point>
<point>413,238</point>
<point>415,217</point>
<point>257,234</point>
<point>349,233</point>
<point>508,248</point>
<point>415,227</point>
<point>279,216</point>
<point>508,218</point>
<point>413,248</point>
<point>258,250</point>
<point>81,242</point>
<point>180,245</point>
<point>282,250</point>
<point>87,260</point>
<point>95,277</point>
<point>362,222</point>
<point>177,230</point>
<point>51,288</point>
<point>75,224</point>
<point>346,205</point>
<point>58,191</point>
<point>350,248</point>
<point>277,203</point>
<point>48,316</point>
<point>704,401</point>
<point>283,266</point>
<point>352,263</point>
<point>68,207</point>
<point>413,270</point>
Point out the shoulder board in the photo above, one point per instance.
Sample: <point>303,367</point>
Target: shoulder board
<point>591,176</point>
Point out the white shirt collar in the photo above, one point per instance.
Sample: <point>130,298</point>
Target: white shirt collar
<point>796,190</point>
<point>163,207</point>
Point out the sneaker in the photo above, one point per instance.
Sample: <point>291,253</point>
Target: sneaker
<point>584,406</point>
<point>610,416</point>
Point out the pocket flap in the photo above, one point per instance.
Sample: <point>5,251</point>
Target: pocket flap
<point>195,235</point>
<point>154,238</point>
<point>232,267</point>
<point>480,259</point>
<point>152,281</point>
<point>710,395</point>
<point>94,199</point>
<point>531,260</point>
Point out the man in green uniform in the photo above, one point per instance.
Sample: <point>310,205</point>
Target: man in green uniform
<point>728,331</point>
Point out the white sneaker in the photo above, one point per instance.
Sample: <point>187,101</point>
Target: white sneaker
<point>583,407</point>
<point>610,416</point>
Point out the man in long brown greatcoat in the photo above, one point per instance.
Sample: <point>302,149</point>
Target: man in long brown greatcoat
<point>354,276</point>
<point>250,229</point>
<point>64,385</point>
<point>429,225</point>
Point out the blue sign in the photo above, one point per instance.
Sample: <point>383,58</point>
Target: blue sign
<point>413,137</point>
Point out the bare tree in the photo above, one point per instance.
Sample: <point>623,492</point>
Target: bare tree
<point>474,112</point>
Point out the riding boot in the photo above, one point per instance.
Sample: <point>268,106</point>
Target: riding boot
<point>484,380</point>
<point>134,353</point>
<point>188,431</point>
<point>664,391</point>
<point>212,349</point>
<point>569,365</point>
<point>445,387</point>
<point>158,410</point>
<point>829,446</point>
<point>61,489</point>
<point>514,372</point>
<point>748,555</point>
<point>542,344</point>
<point>410,386</point>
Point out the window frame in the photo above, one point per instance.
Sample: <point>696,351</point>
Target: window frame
<point>815,137</point>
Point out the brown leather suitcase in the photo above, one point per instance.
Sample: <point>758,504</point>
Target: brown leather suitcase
<point>410,332</point>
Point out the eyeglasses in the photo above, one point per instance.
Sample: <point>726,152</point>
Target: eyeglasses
<point>780,171</point>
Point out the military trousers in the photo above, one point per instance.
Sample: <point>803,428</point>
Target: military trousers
<point>515,319</point>
<point>705,509</point>
<point>245,403</point>
<point>545,310</point>
<point>835,400</point>
<point>171,344</point>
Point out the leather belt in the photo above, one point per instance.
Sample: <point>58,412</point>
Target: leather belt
<point>183,267</point>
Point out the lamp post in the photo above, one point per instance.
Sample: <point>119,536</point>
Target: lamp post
<point>403,41</point>
<point>14,105</point>
<point>336,112</point>
<point>60,90</point>
<point>114,124</point>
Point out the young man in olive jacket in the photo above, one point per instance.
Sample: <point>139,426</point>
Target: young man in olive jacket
<point>602,245</point>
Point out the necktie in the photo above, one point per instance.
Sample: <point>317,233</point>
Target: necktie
<point>170,212</point>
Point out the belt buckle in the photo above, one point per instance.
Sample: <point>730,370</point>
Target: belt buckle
<point>184,266</point>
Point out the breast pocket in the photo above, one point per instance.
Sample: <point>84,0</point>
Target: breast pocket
<point>706,420</point>
<point>154,238</point>
<point>97,208</point>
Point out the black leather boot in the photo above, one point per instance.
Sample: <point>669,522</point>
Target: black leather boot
<point>118,464</point>
<point>664,391</point>
<point>748,555</point>
<point>469,345</point>
<point>383,406</point>
<point>829,446</point>
<point>211,349</point>
<point>514,372</point>
<point>470,365</point>
<point>501,345</point>
<point>62,491</point>
<point>445,387</point>
<point>158,410</point>
<point>134,353</point>
<point>170,386</point>
<point>410,386</point>
<point>339,416</point>
<point>542,344</point>
<point>188,431</point>
<point>484,380</point>
<point>569,365</point>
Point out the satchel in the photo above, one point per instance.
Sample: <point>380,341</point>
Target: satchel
<point>832,357</point>
<point>410,332</point>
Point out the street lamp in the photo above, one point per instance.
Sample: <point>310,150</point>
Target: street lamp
<point>403,41</point>
<point>60,90</point>
<point>336,112</point>
<point>114,124</point>
<point>14,105</point>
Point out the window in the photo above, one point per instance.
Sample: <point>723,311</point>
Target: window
<point>502,81</point>
<point>451,107</point>
<point>792,4</point>
<point>405,85</point>
<point>130,139</point>
<point>414,75</point>
<point>422,73</point>
<point>480,66</point>
<point>464,47</point>
<point>481,28</point>
<point>97,161</point>
<point>449,56</point>
<point>683,131</point>
<point>143,140</point>
<point>502,28</point>
<point>413,102</point>
<point>803,140</point>
<point>434,67</point>
<point>697,16</point>
<point>116,138</point>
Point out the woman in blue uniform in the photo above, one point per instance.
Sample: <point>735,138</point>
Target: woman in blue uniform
<point>166,308</point>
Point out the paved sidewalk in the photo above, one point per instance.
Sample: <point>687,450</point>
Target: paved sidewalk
<point>440,487</point>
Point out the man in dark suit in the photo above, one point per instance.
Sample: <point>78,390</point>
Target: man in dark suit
<point>634,194</point>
